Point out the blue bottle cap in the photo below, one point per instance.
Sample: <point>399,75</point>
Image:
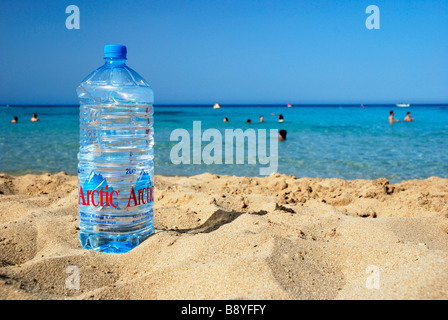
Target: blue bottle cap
<point>115,51</point>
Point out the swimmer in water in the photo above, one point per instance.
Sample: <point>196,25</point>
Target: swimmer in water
<point>391,118</point>
<point>282,135</point>
<point>280,118</point>
<point>408,117</point>
<point>34,118</point>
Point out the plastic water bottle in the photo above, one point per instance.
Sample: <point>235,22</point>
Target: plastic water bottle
<point>116,156</point>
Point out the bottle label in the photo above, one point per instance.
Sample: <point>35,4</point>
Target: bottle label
<point>97,194</point>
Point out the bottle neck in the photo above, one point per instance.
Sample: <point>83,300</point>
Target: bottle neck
<point>115,62</point>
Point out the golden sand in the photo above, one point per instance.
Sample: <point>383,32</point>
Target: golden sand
<point>226,237</point>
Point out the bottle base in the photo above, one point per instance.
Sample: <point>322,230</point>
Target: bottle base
<point>113,243</point>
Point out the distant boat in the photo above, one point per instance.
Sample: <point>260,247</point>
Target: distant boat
<point>289,105</point>
<point>403,105</point>
<point>216,106</point>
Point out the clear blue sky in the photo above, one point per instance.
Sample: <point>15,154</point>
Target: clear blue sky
<point>207,51</point>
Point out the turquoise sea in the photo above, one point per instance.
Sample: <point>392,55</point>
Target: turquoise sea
<point>344,141</point>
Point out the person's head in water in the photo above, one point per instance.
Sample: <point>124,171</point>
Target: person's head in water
<point>280,118</point>
<point>391,117</point>
<point>282,135</point>
<point>261,119</point>
<point>34,118</point>
<point>225,120</point>
<point>408,117</point>
<point>249,121</point>
<point>15,120</point>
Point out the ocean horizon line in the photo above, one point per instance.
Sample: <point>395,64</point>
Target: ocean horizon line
<point>248,105</point>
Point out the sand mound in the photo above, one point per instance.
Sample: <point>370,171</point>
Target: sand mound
<point>223,237</point>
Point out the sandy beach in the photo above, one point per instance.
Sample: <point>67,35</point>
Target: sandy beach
<point>227,237</point>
